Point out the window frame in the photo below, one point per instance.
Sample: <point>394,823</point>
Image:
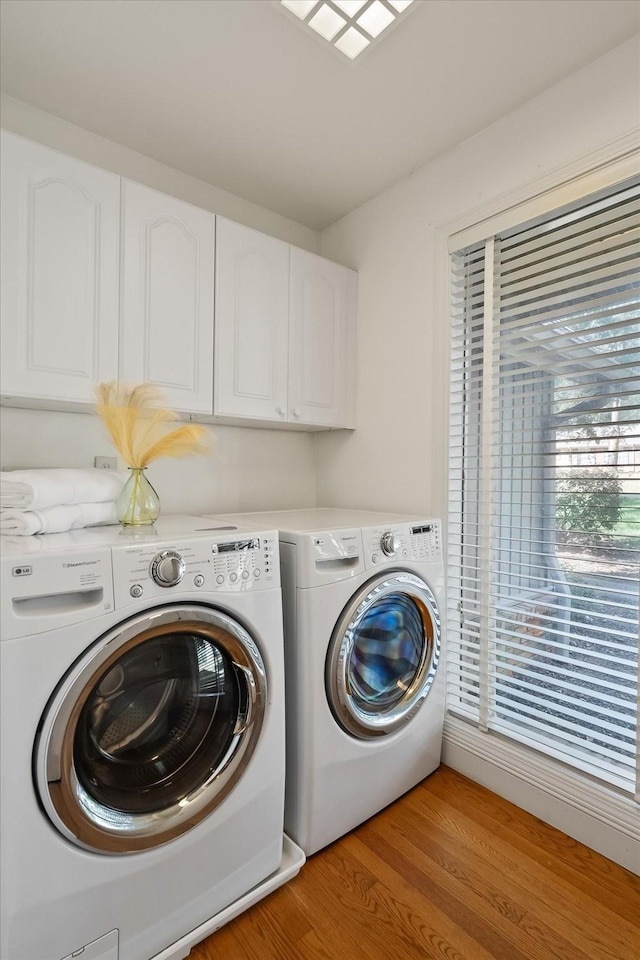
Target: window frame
<point>587,810</point>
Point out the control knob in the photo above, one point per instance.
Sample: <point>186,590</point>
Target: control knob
<point>389,543</point>
<point>167,568</point>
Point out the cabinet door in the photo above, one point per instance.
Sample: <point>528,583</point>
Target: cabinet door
<point>60,241</point>
<point>166,321</point>
<point>251,323</point>
<point>322,331</point>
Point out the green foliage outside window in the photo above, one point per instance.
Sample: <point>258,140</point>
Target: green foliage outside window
<point>588,504</point>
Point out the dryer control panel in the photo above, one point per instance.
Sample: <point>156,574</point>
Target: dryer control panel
<point>393,543</point>
<point>170,569</point>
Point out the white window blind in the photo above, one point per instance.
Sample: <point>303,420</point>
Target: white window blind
<point>544,512</point>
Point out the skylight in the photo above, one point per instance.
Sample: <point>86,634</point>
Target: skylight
<point>348,25</point>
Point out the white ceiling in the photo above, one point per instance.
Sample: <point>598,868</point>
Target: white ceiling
<point>237,94</point>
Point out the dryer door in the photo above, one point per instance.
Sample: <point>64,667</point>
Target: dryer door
<point>383,655</point>
<point>151,729</point>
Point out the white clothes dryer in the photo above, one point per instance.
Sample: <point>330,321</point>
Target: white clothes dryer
<point>142,725</point>
<point>363,598</point>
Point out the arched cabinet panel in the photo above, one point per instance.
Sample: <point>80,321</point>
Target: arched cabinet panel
<point>252,323</point>
<point>166,327</point>
<point>321,341</point>
<point>60,243</point>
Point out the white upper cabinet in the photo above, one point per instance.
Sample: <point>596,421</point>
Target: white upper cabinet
<point>251,323</point>
<point>59,268</point>
<point>106,279</point>
<point>322,336</point>
<point>166,321</point>
<point>284,332</point>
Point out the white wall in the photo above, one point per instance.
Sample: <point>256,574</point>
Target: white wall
<point>248,469</point>
<point>396,459</point>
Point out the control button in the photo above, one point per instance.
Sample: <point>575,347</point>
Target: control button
<point>136,591</point>
<point>374,558</point>
<point>389,543</point>
<point>167,568</point>
<point>256,573</point>
<point>219,578</point>
<point>198,580</point>
<point>245,574</point>
<point>405,553</point>
<point>233,577</point>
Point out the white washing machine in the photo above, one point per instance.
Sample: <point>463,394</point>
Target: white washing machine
<point>142,725</point>
<point>363,598</point>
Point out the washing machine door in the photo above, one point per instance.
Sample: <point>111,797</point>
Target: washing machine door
<point>151,729</point>
<point>383,655</point>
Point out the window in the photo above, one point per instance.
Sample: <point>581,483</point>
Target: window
<point>544,515</point>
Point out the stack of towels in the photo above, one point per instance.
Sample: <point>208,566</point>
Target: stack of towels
<point>53,501</point>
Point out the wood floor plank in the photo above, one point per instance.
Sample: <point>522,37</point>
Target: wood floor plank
<point>506,928</point>
<point>389,919</point>
<point>448,872</point>
<point>338,889</point>
<point>271,930</point>
<point>546,895</point>
<point>221,944</point>
<point>434,923</point>
<point>314,948</point>
<point>600,879</point>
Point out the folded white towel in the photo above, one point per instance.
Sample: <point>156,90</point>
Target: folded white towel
<point>39,489</point>
<point>71,516</point>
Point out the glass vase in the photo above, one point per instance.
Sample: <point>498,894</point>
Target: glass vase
<point>138,504</point>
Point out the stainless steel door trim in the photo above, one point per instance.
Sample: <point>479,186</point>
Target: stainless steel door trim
<point>96,827</point>
<point>353,718</point>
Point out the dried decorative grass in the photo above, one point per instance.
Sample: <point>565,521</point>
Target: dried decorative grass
<point>136,421</point>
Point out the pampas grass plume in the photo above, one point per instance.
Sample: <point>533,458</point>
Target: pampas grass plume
<point>136,421</point>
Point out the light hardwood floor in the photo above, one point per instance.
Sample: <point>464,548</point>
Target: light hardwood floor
<point>450,872</point>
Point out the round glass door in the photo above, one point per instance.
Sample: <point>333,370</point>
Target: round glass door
<point>383,655</point>
<point>151,730</point>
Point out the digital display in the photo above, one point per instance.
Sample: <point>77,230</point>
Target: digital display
<point>427,528</point>
<point>236,545</point>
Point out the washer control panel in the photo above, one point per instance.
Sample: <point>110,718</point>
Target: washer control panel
<point>420,541</point>
<point>426,540</point>
<point>243,561</point>
<point>169,570</point>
